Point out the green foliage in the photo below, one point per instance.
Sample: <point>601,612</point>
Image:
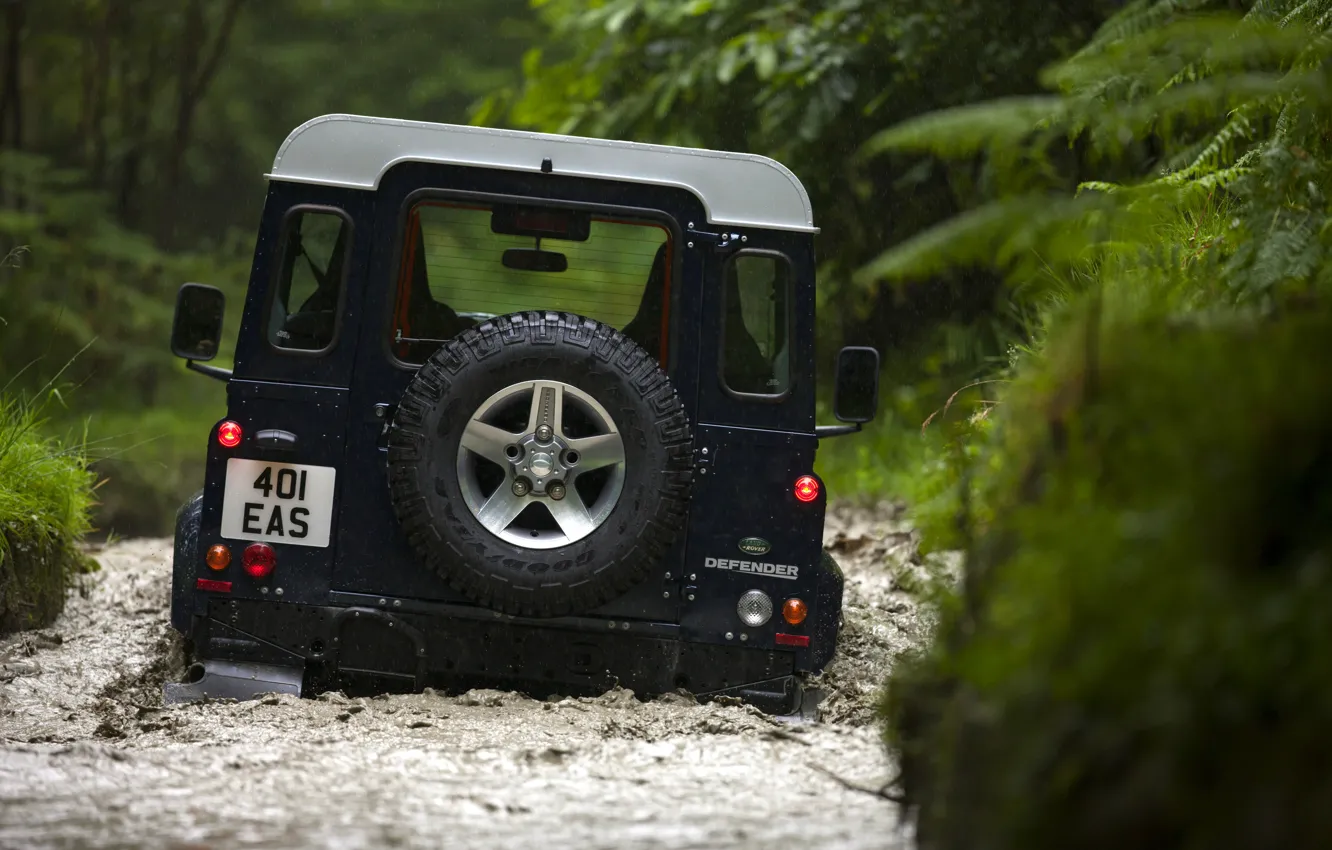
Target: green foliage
<point>1235,108</point>
<point>46,493</point>
<point>1134,647</point>
<point>1136,658</point>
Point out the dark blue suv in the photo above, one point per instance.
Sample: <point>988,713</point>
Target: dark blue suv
<point>515,410</point>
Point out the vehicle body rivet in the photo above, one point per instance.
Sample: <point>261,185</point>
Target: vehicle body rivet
<point>744,637</point>
<point>278,591</point>
<point>729,636</point>
<point>666,594</point>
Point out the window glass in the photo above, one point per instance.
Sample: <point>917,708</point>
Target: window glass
<point>756,354</point>
<point>464,263</point>
<point>310,280</point>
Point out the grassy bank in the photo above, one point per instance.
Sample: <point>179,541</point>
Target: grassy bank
<point>46,494</point>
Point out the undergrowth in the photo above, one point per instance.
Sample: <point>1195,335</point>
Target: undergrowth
<point>46,495</point>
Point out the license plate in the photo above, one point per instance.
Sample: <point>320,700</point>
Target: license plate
<point>278,502</point>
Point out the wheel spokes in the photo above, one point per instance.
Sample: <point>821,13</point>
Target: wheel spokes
<point>571,516</point>
<point>547,407</point>
<point>501,509</point>
<point>596,452</point>
<point>487,441</point>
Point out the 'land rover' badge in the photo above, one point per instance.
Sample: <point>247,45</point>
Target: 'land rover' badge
<point>755,546</point>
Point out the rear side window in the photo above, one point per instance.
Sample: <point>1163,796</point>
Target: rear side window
<point>310,279</point>
<point>756,330</point>
<point>464,263</point>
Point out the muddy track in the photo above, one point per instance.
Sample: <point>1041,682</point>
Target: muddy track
<point>89,757</point>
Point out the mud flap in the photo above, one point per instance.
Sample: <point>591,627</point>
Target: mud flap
<point>234,680</point>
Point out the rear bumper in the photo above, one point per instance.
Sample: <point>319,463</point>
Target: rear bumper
<point>367,650</point>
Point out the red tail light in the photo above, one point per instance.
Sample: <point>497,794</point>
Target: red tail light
<point>807,488</point>
<point>229,434</point>
<point>259,560</point>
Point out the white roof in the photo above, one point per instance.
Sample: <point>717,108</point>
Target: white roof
<point>353,151</point>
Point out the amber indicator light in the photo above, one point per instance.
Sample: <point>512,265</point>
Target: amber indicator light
<point>218,557</point>
<point>794,611</point>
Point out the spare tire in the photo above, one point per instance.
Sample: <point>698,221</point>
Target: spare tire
<point>540,463</point>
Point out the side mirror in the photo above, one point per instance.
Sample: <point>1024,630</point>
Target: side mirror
<point>196,330</point>
<point>856,394</point>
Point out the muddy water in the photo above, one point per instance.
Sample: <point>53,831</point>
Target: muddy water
<point>89,757</point>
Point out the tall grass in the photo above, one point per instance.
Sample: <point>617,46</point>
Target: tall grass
<point>46,493</point>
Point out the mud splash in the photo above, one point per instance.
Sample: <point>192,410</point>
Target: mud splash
<point>89,756</point>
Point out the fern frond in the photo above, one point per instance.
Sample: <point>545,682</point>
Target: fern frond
<point>966,130</point>
<point>997,235</point>
<point>1138,18</point>
<point>1305,11</point>
<point>1221,145</point>
<point>1265,10</point>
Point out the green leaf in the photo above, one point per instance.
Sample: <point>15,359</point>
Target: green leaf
<point>967,130</point>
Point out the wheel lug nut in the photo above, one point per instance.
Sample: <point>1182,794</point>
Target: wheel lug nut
<point>521,487</point>
<point>544,433</point>
<point>555,490</point>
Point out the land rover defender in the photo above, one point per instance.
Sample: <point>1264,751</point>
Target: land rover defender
<point>515,410</point>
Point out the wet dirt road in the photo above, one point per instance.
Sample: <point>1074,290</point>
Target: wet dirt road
<point>89,757</point>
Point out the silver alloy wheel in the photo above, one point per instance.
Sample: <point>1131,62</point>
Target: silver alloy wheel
<point>533,459</point>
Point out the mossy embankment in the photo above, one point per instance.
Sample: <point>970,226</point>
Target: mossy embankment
<point>46,492</point>
<point>1137,655</point>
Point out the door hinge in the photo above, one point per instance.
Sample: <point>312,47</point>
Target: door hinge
<point>724,242</point>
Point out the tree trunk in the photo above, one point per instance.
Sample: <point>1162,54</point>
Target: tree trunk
<point>11,102</point>
<point>193,80</point>
<point>101,92</point>
<point>136,114</point>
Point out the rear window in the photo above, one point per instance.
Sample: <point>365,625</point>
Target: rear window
<point>465,263</point>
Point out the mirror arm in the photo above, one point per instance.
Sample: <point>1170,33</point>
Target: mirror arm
<point>211,371</point>
<point>822,431</point>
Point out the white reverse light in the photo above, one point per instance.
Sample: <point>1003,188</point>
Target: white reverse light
<point>755,608</point>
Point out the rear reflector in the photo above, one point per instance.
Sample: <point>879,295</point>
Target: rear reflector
<point>792,640</point>
<point>214,586</point>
